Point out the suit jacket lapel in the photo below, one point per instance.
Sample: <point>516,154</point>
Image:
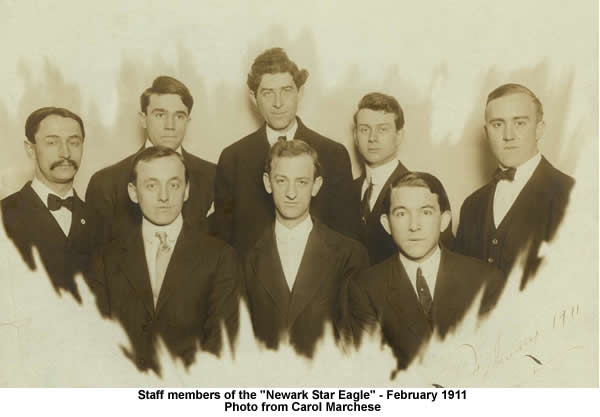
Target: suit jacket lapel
<point>134,267</point>
<point>183,261</point>
<point>270,271</point>
<point>312,273</point>
<point>41,220</point>
<point>78,232</point>
<point>378,206</point>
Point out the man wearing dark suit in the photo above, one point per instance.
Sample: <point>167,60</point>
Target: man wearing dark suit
<point>166,279</point>
<point>524,203</point>
<point>242,207</point>
<point>298,269</point>
<point>378,130</point>
<point>424,287</point>
<point>165,113</point>
<point>47,213</point>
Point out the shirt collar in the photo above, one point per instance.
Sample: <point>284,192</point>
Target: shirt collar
<point>149,230</point>
<point>429,267</point>
<point>301,230</point>
<point>525,170</point>
<point>42,191</point>
<point>273,135</point>
<point>379,175</point>
<point>147,144</point>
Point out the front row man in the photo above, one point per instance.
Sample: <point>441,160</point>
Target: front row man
<point>424,286</point>
<point>296,272</point>
<point>166,279</point>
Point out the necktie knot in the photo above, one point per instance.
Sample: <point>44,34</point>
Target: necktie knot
<point>162,238</point>
<point>281,138</point>
<point>55,202</point>
<point>505,174</point>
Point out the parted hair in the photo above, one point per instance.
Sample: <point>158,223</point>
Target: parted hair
<point>274,61</point>
<point>151,153</point>
<point>167,85</point>
<point>382,102</point>
<point>32,124</point>
<point>419,179</point>
<point>291,148</point>
<point>512,88</point>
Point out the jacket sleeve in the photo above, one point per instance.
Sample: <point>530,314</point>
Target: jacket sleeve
<point>222,221</point>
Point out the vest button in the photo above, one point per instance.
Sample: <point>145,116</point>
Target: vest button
<point>491,260</point>
<point>494,241</point>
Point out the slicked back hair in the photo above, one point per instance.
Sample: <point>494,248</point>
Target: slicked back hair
<point>419,179</point>
<point>167,85</point>
<point>382,102</point>
<point>511,88</point>
<point>274,61</point>
<point>32,124</point>
<point>292,148</point>
<point>150,154</point>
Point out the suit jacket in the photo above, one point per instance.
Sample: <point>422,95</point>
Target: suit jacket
<point>29,223</point>
<point>533,218</point>
<point>119,216</point>
<point>199,291</point>
<point>383,294</point>
<point>329,260</point>
<point>243,209</point>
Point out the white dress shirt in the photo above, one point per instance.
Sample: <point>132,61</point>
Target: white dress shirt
<point>63,215</point>
<point>508,191</point>
<point>429,269</point>
<point>151,244</point>
<point>290,245</point>
<point>378,176</point>
<point>147,144</point>
<point>273,135</point>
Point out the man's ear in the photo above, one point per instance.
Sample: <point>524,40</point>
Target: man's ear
<point>253,98</point>
<point>445,221</point>
<point>132,191</point>
<point>142,119</point>
<point>30,149</point>
<point>186,194</point>
<point>539,130</point>
<point>317,184</point>
<point>267,182</point>
<point>300,93</point>
<point>399,136</point>
<point>385,222</point>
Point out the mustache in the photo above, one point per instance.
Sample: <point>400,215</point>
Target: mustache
<point>63,161</point>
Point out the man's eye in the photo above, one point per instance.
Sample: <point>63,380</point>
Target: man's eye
<point>363,130</point>
<point>159,115</point>
<point>175,185</point>
<point>150,186</point>
<point>496,125</point>
<point>428,212</point>
<point>181,117</point>
<point>384,129</point>
<point>520,123</point>
<point>267,93</point>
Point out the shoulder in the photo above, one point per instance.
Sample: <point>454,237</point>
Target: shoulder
<point>16,202</point>
<point>337,240</point>
<point>243,144</point>
<point>555,178</point>
<point>114,172</point>
<point>469,266</point>
<point>198,164</point>
<point>376,275</point>
<point>477,197</point>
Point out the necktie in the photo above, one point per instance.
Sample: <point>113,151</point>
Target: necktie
<point>281,139</point>
<point>163,254</point>
<point>505,174</point>
<point>365,204</point>
<point>55,202</point>
<point>424,295</point>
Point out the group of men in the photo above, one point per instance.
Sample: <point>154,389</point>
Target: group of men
<point>169,243</point>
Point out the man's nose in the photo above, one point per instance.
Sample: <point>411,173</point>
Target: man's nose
<point>290,192</point>
<point>415,223</point>
<point>170,122</point>
<point>373,137</point>
<point>277,102</point>
<point>64,151</point>
<point>509,131</point>
<point>163,194</point>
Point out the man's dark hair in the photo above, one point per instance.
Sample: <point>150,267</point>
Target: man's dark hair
<point>512,88</point>
<point>32,124</point>
<point>274,61</point>
<point>167,85</point>
<point>292,148</point>
<point>419,179</point>
<point>382,102</point>
<point>151,153</point>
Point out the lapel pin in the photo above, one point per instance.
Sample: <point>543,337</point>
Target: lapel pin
<point>82,221</point>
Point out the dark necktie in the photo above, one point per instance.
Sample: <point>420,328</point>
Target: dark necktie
<point>424,295</point>
<point>55,202</point>
<point>365,207</point>
<point>281,139</point>
<point>505,174</point>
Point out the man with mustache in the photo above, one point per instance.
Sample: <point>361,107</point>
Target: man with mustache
<point>524,203</point>
<point>165,110</point>
<point>47,213</point>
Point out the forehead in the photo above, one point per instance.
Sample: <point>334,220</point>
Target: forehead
<point>413,197</point>
<point>162,168</point>
<point>277,80</point>
<point>512,105</point>
<point>59,126</point>
<point>293,166</point>
<point>374,117</point>
<point>169,102</point>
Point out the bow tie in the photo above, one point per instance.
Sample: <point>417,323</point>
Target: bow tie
<point>55,202</point>
<point>505,174</point>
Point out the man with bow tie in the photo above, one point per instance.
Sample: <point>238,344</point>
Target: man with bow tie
<point>47,213</point>
<point>297,271</point>
<point>423,287</point>
<point>523,205</point>
<point>167,279</point>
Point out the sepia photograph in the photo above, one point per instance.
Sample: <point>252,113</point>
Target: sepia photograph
<point>284,194</point>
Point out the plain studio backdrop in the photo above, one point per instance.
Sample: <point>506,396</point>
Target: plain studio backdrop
<point>440,59</point>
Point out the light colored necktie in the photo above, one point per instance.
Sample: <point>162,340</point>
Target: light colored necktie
<point>163,255</point>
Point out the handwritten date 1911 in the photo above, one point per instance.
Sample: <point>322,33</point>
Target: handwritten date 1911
<point>454,394</point>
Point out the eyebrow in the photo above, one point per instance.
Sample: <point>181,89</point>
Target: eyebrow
<point>406,208</point>
<point>161,110</point>
<point>499,119</point>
